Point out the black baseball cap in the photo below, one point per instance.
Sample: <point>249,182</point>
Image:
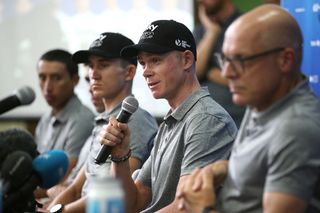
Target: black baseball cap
<point>163,36</point>
<point>108,45</point>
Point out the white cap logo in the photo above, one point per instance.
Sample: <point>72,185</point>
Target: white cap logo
<point>182,43</point>
<point>98,42</point>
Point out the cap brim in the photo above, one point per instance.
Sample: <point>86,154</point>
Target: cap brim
<point>82,56</point>
<point>133,50</point>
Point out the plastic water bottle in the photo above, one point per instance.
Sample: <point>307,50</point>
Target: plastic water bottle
<point>105,195</point>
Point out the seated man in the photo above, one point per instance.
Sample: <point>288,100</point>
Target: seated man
<point>85,150</point>
<point>111,79</point>
<point>195,132</point>
<point>69,123</point>
<point>278,146</point>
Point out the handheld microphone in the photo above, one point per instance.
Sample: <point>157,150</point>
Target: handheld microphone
<point>128,107</point>
<point>22,96</point>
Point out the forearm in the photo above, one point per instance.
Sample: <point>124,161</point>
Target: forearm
<point>78,206</point>
<point>215,75</point>
<point>122,172</point>
<point>204,51</point>
<point>220,171</point>
<point>171,208</point>
<point>67,196</point>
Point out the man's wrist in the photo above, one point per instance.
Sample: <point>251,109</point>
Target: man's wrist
<point>120,159</point>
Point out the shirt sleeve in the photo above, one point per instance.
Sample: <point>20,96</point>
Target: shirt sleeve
<point>79,131</point>
<point>143,129</point>
<point>294,159</point>
<point>145,173</point>
<point>205,145</point>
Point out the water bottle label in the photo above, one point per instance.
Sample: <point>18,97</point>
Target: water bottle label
<point>109,206</point>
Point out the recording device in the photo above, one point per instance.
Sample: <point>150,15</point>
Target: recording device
<point>128,107</point>
<point>45,170</point>
<point>23,96</point>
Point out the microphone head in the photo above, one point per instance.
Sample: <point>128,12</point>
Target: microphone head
<point>51,167</point>
<point>15,139</point>
<point>130,104</point>
<point>16,169</point>
<point>26,95</point>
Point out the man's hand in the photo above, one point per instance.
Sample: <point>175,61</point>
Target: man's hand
<point>117,135</point>
<point>198,191</point>
<point>209,24</point>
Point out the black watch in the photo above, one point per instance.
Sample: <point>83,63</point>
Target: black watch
<point>58,208</point>
<point>208,209</point>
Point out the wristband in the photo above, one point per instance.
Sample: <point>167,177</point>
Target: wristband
<point>121,159</point>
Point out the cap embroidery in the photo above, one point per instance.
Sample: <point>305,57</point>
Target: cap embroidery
<point>98,42</point>
<point>147,35</point>
<point>182,43</point>
<point>152,27</point>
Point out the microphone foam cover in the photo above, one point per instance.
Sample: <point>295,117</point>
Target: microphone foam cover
<point>16,168</point>
<point>26,95</point>
<point>130,104</point>
<point>51,167</point>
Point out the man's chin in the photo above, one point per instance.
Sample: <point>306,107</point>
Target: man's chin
<point>237,100</point>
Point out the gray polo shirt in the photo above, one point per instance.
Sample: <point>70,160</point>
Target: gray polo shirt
<point>68,130</point>
<point>143,127</point>
<point>277,150</point>
<point>197,133</point>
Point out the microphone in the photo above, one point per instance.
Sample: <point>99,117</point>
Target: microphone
<point>15,170</point>
<point>128,107</point>
<point>46,171</point>
<point>22,96</point>
<point>50,167</point>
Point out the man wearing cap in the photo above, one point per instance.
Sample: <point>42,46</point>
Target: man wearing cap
<point>111,78</point>
<point>195,132</point>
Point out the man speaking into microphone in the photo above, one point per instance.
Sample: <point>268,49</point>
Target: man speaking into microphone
<point>111,77</point>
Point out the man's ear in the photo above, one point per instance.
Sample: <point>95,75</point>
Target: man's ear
<point>287,60</point>
<point>130,72</point>
<point>75,80</point>
<point>188,59</point>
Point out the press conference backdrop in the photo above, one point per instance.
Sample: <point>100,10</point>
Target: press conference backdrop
<point>307,14</point>
<point>28,28</point>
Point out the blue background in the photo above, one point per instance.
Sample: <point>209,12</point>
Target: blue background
<point>307,14</point>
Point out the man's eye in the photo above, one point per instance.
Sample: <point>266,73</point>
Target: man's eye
<point>155,60</point>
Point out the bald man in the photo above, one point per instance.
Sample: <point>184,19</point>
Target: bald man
<point>275,161</point>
